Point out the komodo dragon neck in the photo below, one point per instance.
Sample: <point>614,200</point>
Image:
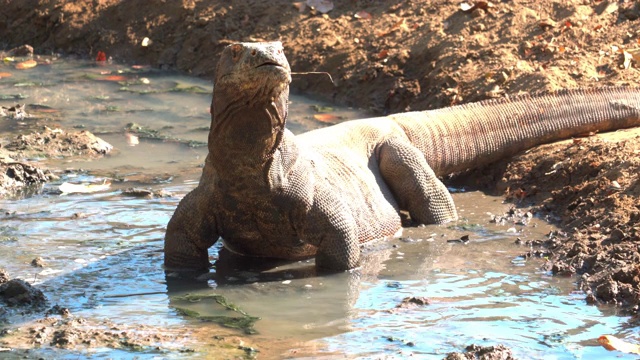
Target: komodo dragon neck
<point>249,109</point>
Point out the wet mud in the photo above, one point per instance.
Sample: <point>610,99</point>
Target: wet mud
<point>388,57</point>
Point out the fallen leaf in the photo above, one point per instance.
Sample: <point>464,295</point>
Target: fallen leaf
<point>327,118</point>
<point>26,64</point>
<point>4,75</point>
<point>114,78</point>
<point>467,7</point>
<point>383,54</point>
<point>101,57</point>
<point>323,6</point>
<point>611,8</point>
<point>484,5</point>
<point>132,140</point>
<point>627,59</point>
<point>362,15</point>
<point>69,188</point>
<point>611,343</point>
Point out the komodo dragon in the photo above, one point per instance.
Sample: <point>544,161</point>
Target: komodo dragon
<point>269,193</point>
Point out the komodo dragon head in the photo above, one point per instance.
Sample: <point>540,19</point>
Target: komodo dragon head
<point>250,94</point>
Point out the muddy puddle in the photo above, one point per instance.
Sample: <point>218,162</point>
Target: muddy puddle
<point>424,295</point>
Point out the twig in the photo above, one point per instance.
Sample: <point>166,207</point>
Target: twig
<point>314,73</point>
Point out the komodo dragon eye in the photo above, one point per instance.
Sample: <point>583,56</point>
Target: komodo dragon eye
<point>236,50</point>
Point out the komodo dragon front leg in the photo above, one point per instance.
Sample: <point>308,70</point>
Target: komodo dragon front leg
<point>414,184</point>
<point>331,227</point>
<point>191,232</point>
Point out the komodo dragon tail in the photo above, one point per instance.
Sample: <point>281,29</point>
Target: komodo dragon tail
<point>470,135</point>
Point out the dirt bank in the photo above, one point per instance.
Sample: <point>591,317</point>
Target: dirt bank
<point>410,55</point>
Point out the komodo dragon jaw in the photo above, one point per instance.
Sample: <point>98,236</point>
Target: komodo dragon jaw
<point>269,193</point>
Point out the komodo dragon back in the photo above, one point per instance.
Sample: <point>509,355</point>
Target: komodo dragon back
<point>269,193</point>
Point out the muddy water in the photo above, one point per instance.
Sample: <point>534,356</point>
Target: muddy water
<point>103,251</point>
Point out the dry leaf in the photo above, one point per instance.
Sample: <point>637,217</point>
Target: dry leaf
<point>383,54</point>
<point>26,64</point>
<point>323,6</point>
<point>362,15</point>
<point>114,78</point>
<point>611,343</point>
<point>611,8</point>
<point>467,7</point>
<point>327,118</point>
<point>628,56</point>
<point>69,188</point>
<point>4,75</point>
<point>101,56</point>
<point>132,140</point>
<point>484,5</point>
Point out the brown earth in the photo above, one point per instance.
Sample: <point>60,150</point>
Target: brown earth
<point>397,55</point>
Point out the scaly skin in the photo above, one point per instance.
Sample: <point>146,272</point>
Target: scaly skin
<point>269,193</point>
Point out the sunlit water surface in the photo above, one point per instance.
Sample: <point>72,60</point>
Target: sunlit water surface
<point>103,251</point>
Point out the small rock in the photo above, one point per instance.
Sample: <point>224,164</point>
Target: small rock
<point>24,50</point>
<point>38,262</point>
<point>19,292</point>
<point>4,276</point>
<point>413,301</point>
<point>617,235</point>
<point>58,310</point>
<point>483,352</point>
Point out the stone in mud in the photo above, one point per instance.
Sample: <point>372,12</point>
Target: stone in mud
<point>473,351</point>
<point>4,276</point>
<point>15,176</point>
<point>23,50</point>
<point>413,301</point>
<point>59,142</point>
<point>38,262</point>
<point>18,292</point>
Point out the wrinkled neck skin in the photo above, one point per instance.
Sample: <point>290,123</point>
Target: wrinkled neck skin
<point>246,129</point>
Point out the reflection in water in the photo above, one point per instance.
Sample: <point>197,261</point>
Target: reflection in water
<point>104,251</point>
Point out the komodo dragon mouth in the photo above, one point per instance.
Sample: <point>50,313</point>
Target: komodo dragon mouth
<point>273,64</point>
